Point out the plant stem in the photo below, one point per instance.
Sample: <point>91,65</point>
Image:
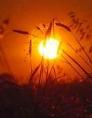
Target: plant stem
<point>76,63</point>
<point>73,67</point>
<point>82,48</point>
<point>79,55</point>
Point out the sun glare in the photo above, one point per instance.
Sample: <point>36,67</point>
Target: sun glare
<point>49,48</point>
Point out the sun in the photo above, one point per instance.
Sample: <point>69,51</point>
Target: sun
<point>49,48</point>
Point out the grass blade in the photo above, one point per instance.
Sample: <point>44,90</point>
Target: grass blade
<point>63,26</point>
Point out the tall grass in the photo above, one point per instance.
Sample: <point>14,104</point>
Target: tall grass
<point>53,99</point>
<point>51,31</point>
<point>69,29</point>
<point>73,28</point>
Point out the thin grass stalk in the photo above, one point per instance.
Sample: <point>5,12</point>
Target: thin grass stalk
<point>54,72</point>
<point>34,72</point>
<point>50,70</point>
<point>72,67</point>
<point>47,70</point>
<point>38,28</point>
<point>82,48</point>
<point>30,54</point>
<point>76,63</point>
<point>48,73</point>
<point>30,69</point>
<point>41,69</point>
<point>25,33</point>
<point>79,55</point>
<point>31,64</point>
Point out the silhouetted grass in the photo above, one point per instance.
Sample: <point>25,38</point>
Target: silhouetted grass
<point>49,99</point>
<point>53,99</point>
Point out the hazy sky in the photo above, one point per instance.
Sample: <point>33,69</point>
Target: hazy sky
<point>25,14</point>
<point>36,11</point>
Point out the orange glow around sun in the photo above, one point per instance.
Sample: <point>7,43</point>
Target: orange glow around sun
<point>49,48</point>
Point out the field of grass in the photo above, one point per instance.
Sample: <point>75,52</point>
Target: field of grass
<point>51,100</point>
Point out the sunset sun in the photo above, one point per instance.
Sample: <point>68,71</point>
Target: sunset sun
<point>49,48</point>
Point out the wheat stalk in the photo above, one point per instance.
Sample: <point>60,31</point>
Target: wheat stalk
<point>76,63</point>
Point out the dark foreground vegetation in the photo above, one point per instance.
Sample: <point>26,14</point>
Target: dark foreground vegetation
<point>52,100</point>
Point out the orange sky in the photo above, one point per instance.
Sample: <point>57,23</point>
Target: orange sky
<point>25,14</point>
